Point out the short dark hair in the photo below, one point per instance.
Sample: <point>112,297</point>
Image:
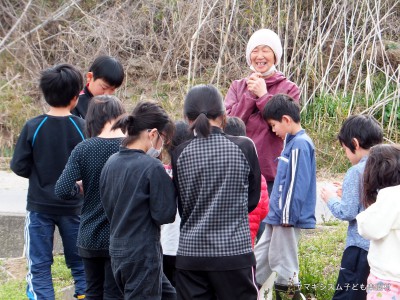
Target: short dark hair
<point>281,105</point>
<point>366,129</point>
<point>102,109</point>
<point>60,84</point>
<point>146,115</point>
<point>203,102</point>
<point>109,69</point>
<point>182,134</point>
<point>235,126</point>
<point>382,169</point>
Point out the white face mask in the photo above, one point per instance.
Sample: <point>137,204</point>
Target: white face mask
<point>153,152</point>
<point>269,72</point>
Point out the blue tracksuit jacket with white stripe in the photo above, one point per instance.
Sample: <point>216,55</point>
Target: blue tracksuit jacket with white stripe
<point>293,197</point>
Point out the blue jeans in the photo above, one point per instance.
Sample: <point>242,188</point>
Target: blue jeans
<point>39,236</point>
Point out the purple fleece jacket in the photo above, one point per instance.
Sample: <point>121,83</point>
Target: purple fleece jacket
<point>242,103</point>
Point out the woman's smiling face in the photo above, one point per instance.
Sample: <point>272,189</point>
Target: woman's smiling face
<point>262,58</point>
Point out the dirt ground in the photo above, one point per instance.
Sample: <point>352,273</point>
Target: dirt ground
<point>14,268</point>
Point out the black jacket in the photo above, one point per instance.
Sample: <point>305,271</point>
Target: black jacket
<point>81,108</point>
<point>41,152</point>
<point>138,196</point>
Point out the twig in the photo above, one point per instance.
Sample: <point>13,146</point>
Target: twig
<point>15,24</point>
<point>57,15</point>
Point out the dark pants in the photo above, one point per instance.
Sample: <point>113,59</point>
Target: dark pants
<point>169,268</point>
<point>222,285</point>
<point>39,236</point>
<point>353,274</point>
<point>142,279</point>
<point>100,279</point>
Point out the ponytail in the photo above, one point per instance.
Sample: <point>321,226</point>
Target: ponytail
<point>201,126</point>
<point>203,102</point>
<point>146,115</point>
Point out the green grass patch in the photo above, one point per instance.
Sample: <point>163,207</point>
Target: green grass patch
<point>320,252</point>
<point>15,109</point>
<point>15,288</point>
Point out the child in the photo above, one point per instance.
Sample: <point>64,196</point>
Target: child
<point>380,222</point>
<point>235,126</point>
<point>170,232</point>
<point>138,196</point>
<point>105,75</point>
<point>293,198</point>
<point>42,150</point>
<point>85,163</point>
<point>357,135</point>
<point>218,180</point>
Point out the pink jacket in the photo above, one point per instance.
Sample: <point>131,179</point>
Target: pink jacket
<point>260,212</point>
<point>241,103</point>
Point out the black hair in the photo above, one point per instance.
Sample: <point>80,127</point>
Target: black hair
<point>281,105</point>
<point>382,169</point>
<point>60,84</point>
<point>366,129</point>
<point>203,102</point>
<point>109,69</point>
<point>102,109</point>
<point>146,115</point>
<point>182,134</point>
<point>235,126</point>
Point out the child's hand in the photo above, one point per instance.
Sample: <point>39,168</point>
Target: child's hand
<point>327,193</point>
<point>79,184</point>
<point>256,84</point>
<point>338,185</point>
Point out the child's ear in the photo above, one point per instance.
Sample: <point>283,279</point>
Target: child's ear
<point>356,144</point>
<point>286,119</point>
<point>89,77</point>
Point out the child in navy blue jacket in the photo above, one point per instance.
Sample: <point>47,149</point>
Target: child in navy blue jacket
<point>292,201</point>
<point>41,153</point>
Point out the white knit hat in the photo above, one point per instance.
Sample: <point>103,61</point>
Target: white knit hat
<point>268,38</point>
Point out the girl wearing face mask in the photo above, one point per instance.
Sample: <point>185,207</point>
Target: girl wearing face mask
<point>138,197</point>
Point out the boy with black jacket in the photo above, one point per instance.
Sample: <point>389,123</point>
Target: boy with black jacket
<point>41,153</point>
<point>292,201</point>
<point>105,75</point>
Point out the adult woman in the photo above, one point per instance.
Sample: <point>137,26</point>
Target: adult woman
<point>247,97</point>
<point>218,181</point>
